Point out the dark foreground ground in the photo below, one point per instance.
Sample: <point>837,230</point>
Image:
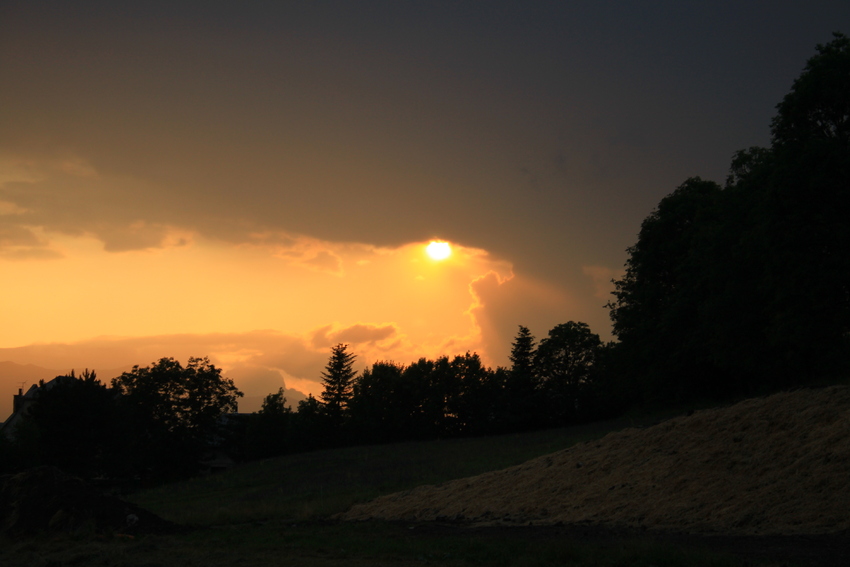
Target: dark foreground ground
<point>274,512</point>
<point>809,550</point>
<point>385,544</point>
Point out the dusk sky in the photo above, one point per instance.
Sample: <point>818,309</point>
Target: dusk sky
<point>258,181</point>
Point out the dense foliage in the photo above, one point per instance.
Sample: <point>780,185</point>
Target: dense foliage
<point>155,422</point>
<point>553,384</point>
<point>746,288</point>
<point>73,425</point>
<point>174,413</point>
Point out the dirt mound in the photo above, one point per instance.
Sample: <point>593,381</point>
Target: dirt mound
<point>775,465</point>
<point>44,499</point>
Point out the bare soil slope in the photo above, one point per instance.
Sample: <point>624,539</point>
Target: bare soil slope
<point>775,465</point>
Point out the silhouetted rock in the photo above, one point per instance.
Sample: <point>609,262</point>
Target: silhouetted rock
<point>46,500</point>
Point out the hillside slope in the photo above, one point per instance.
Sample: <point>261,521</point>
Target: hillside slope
<point>775,465</point>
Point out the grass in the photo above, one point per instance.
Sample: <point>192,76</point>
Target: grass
<point>277,511</point>
<point>316,485</point>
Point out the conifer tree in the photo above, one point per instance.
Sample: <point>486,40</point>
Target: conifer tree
<point>338,380</point>
<point>522,382</point>
<point>522,355</point>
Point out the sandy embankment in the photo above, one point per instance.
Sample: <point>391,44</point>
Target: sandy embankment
<point>775,465</point>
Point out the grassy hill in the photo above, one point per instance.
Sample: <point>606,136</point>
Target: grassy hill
<point>315,485</point>
<point>278,511</point>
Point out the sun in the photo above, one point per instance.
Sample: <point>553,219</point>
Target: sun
<point>438,250</point>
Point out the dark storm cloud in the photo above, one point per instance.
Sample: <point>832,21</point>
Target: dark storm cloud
<point>542,131</point>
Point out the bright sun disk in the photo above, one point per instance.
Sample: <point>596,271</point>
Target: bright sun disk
<point>439,250</point>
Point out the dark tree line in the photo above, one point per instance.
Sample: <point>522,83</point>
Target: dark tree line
<point>558,382</point>
<point>155,422</point>
<point>160,422</point>
<point>745,288</point>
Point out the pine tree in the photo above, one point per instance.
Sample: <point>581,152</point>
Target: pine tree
<point>522,355</point>
<point>338,380</point>
<point>522,382</point>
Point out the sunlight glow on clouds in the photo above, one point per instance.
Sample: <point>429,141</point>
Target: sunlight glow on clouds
<point>111,271</point>
<point>254,182</point>
<point>269,307</point>
<point>438,250</point>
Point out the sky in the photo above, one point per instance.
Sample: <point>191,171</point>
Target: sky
<point>258,181</point>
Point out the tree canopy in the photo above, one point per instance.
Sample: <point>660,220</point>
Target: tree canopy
<point>187,399</point>
<point>746,288</point>
<point>72,425</point>
<point>174,411</point>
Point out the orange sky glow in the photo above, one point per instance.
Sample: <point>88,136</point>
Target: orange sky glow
<point>266,311</point>
<point>258,181</point>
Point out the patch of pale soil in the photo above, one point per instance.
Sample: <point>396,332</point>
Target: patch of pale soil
<point>775,465</point>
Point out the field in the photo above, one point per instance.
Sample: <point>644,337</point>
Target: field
<point>278,512</point>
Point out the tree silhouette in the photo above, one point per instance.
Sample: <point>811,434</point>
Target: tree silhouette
<point>275,404</point>
<point>746,289</point>
<point>818,107</point>
<point>338,382</point>
<point>522,382</point>
<point>657,301</point>
<point>187,400</point>
<point>384,405</point>
<point>75,424</point>
<point>310,426</point>
<point>479,404</point>
<point>808,234</point>
<point>522,356</point>
<point>427,391</point>
<point>566,360</point>
<point>174,412</point>
<point>268,431</point>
